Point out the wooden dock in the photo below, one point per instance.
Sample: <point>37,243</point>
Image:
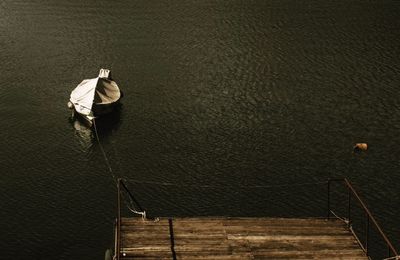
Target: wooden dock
<point>237,238</point>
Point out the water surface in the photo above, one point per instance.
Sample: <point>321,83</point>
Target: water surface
<point>220,97</point>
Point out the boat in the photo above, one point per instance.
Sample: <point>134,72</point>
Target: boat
<point>95,97</point>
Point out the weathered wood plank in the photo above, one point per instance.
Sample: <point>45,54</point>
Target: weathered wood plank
<point>295,245</point>
<point>321,254</point>
<point>289,237</point>
<point>214,257</point>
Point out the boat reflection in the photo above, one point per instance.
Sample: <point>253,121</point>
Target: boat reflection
<point>105,125</point>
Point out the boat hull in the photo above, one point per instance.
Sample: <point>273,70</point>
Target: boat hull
<point>98,112</point>
<point>103,109</point>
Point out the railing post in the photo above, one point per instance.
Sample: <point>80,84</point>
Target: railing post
<point>329,202</point>
<point>367,234</point>
<point>349,209</point>
<point>118,221</point>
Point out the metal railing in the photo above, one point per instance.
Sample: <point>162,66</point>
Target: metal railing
<point>368,217</point>
<point>118,224</point>
<point>121,186</point>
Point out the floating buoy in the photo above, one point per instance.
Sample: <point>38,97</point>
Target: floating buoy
<point>358,147</point>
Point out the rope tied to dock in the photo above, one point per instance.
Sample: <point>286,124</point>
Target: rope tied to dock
<point>141,213</point>
<point>107,162</point>
<point>110,170</point>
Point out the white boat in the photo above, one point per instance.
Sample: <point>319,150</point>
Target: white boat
<point>95,97</point>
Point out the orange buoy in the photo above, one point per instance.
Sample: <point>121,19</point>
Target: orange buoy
<point>358,147</point>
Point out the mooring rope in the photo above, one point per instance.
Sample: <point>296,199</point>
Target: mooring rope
<point>110,170</point>
<point>340,218</point>
<point>103,152</point>
<point>141,213</point>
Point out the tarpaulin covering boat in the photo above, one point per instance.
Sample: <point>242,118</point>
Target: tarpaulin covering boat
<point>94,97</point>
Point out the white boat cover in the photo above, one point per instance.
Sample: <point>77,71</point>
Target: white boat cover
<point>99,91</point>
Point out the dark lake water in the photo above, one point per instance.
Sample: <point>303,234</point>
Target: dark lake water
<point>235,103</point>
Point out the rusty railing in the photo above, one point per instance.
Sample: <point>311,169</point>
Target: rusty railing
<point>118,223</point>
<point>121,186</point>
<point>368,218</point>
